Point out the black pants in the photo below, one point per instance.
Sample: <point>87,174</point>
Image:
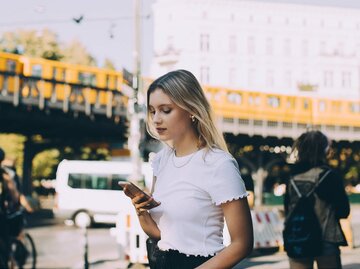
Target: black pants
<point>173,259</point>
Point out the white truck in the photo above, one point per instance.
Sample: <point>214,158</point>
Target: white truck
<point>88,191</point>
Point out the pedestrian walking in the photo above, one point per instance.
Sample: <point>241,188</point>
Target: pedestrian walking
<point>9,199</point>
<point>196,181</point>
<point>315,200</point>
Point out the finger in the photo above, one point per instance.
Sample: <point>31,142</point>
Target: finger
<point>138,199</point>
<point>144,204</point>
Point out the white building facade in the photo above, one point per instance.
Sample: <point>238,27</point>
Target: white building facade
<point>269,47</point>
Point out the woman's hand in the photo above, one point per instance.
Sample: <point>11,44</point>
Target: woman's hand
<point>140,202</point>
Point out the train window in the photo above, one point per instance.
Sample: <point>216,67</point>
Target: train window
<point>36,70</point>
<point>306,104</point>
<point>107,81</point>
<point>273,101</point>
<point>234,98</point>
<point>336,107</point>
<point>322,106</point>
<point>87,79</point>
<point>355,108</point>
<point>54,71</point>
<point>10,65</point>
<point>254,100</point>
<point>290,103</point>
<point>115,83</point>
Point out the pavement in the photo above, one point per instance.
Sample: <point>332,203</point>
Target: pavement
<point>278,260</point>
<point>350,260</point>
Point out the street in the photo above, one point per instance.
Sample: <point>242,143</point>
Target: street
<point>60,246</point>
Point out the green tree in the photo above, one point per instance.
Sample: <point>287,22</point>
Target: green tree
<point>44,44</point>
<point>108,64</point>
<point>45,164</point>
<point>76,53</point>
<point>13,145</point>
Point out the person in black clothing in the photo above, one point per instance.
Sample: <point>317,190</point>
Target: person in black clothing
<point>331,202</point>
<point>9,198</point>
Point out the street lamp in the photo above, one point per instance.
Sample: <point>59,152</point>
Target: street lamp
<point>134,107</point>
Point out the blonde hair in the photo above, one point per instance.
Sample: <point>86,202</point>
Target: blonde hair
<point>185,91</point>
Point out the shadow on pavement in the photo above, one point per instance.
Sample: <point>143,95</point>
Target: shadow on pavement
<point>41,217</point>
<point>351,266</point>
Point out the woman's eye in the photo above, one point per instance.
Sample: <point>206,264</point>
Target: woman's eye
<point>167,111</point>
<point>152,112</point>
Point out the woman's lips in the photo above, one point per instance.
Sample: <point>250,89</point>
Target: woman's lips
<point>160,130</point>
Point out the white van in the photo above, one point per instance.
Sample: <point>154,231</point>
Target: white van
<point>88,191</point>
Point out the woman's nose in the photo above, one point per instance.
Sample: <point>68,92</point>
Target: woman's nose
<point>156,118</point>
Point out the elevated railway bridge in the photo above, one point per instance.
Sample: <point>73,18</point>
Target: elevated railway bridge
<point>71,104</point>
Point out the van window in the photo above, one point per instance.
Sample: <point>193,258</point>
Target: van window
<point>96,181</point>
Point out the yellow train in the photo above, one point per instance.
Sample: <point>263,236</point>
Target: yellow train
<point>98,85</point>
<point>58,79</point>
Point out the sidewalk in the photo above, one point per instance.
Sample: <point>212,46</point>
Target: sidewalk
<point>350,260</point>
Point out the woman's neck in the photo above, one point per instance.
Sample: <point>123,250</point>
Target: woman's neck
<point>186,146</point>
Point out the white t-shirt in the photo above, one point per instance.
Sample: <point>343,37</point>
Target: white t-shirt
<point>191,189</point>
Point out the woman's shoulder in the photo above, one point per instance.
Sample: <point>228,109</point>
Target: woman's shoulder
<point>216,156</point>
<point>156,159</point>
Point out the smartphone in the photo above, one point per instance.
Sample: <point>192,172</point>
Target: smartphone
<point>135,190</point>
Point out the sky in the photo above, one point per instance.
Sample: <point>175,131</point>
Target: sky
<point>107,27</point>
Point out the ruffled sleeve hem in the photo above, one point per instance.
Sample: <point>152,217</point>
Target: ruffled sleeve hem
<point>217,203</point>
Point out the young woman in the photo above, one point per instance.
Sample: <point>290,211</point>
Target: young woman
<point>197,181</point>
<point>331,202</point>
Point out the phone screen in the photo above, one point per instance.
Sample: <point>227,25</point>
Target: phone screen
<point>134,190</point>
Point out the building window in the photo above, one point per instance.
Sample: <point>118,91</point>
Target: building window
<point>322,24</point>
<point>232,44</point>
<point>340,48</point>
<point>205,74</point>
<point>328,79</point>
<point>287,47</point>
<point>322,48</point>
<point>269,46</point>
<point>251,45</point>
<point>270,78</point>
<point>204,42</point>
<point>232,76</point>
<point>346,80</point>
<point>251,77</point>
<point>287,79</point>
<point>305,48</point>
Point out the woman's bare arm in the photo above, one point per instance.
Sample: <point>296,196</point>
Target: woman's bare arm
<point>238,220</point>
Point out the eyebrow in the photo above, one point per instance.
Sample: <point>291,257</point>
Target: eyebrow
<point>161,105</point>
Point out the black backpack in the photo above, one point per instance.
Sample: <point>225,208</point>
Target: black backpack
<point>302,231</point>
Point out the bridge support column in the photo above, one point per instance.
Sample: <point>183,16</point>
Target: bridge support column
<point>29,153</point>
<point>259,176</point>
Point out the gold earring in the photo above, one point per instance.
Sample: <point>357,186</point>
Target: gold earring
<point>192,118</point>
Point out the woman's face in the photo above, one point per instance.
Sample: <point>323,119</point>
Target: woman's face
<point>170,121</point>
